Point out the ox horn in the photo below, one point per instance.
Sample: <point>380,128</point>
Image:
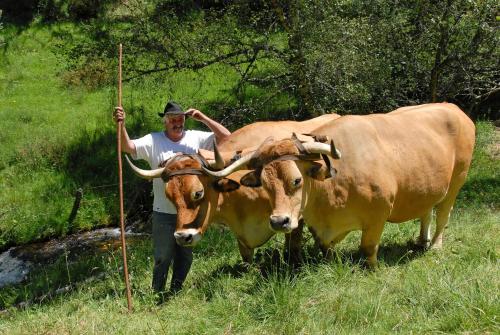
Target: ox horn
<point>238,165</point>
<point>219,161</point>
<point>323,148</point>
<point>146,174</point>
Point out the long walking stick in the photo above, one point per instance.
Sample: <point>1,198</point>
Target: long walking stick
<point>120,178</point>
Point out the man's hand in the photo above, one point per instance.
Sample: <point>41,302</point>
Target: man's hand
<point>195,114</point>
<point>119,115</point>
<point>219,130</point>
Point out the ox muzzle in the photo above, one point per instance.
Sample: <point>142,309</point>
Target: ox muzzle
<point>280,223</point>
<point>187,237</point>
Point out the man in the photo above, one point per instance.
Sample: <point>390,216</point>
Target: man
<point>155,148</point>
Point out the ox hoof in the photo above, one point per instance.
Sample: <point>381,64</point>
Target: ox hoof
<point>436,246</point>
<point>423,244</point>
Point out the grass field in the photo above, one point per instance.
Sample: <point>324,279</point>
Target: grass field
<point>454,290</point>
<point>49,130</point>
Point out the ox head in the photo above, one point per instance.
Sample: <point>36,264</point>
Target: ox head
<point>283,168</point>
<point>193,192</point>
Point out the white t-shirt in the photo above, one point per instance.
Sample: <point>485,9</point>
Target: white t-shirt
<point>157,147</point>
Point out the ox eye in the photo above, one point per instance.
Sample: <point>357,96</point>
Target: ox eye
<point>197,195</point>
<point>296,182</point>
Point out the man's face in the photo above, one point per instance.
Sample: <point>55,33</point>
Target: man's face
<point>174,124</point>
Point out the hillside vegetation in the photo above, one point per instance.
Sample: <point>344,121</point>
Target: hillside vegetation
<point>58,138</point>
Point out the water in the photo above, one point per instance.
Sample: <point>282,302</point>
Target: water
<point>17,262</point>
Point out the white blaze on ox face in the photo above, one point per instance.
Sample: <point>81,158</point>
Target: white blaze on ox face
<point>283,181</point>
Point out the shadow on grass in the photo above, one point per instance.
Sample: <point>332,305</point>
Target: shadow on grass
<point>392,254</point>
<point>399,254</point>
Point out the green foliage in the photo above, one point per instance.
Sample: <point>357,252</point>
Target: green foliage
<point>344,56</point>
<point>46,130</point>
<point>366,56</point>
<point>23,12</point>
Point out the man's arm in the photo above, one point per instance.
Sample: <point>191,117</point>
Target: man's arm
<point>219,130</point>
<point>127,145</point>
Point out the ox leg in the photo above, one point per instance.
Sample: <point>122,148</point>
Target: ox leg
<point>370,240</point>
<point>325,247</point>
<point>293,245</point>
<point>329,254</point>
<point>245,252</point>
<point>443,211</point>
<point>425,230</point>
<point>317,242</point>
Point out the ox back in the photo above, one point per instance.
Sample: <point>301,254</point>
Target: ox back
<point>253,134</point>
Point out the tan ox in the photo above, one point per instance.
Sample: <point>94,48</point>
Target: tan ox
<point>200,199</point>
<point>394,167</point>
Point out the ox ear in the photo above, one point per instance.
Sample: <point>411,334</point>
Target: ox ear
<point>320,172</point>
<point>251,179</point>
<point>225,185</point>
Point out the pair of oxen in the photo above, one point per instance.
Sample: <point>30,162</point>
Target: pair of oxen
<point>336,174</point>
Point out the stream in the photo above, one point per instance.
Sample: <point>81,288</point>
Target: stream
<point>17,262</point>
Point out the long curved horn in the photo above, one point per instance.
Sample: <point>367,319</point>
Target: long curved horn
<point>238,165</point>
<point>323,148</point>
<point>146,174</point>
<point>219,161</point>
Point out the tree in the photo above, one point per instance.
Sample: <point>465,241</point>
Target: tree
<point>342,55</point>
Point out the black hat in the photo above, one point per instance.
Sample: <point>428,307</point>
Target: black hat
<point>171,108</point>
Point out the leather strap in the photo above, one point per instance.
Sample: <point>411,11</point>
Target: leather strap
<point>168,174</point>
<point>189,171</point>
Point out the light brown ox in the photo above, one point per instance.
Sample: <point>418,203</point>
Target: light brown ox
<point>201,199</point>
<point>394,167</point>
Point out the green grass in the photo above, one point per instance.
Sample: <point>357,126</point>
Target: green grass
<point>483,181</point>
<point>56,138</point>
<point>454,290</point>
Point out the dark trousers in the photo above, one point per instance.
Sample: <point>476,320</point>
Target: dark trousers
<point>167,251</point>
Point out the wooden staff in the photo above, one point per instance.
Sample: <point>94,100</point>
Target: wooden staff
<point>120,182</point>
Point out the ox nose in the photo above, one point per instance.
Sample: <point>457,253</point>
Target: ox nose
<point>187,237</point>
<point>280,223</point>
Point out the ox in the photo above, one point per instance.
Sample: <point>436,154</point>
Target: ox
<point>394,167</point>
<point>201,199</point>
